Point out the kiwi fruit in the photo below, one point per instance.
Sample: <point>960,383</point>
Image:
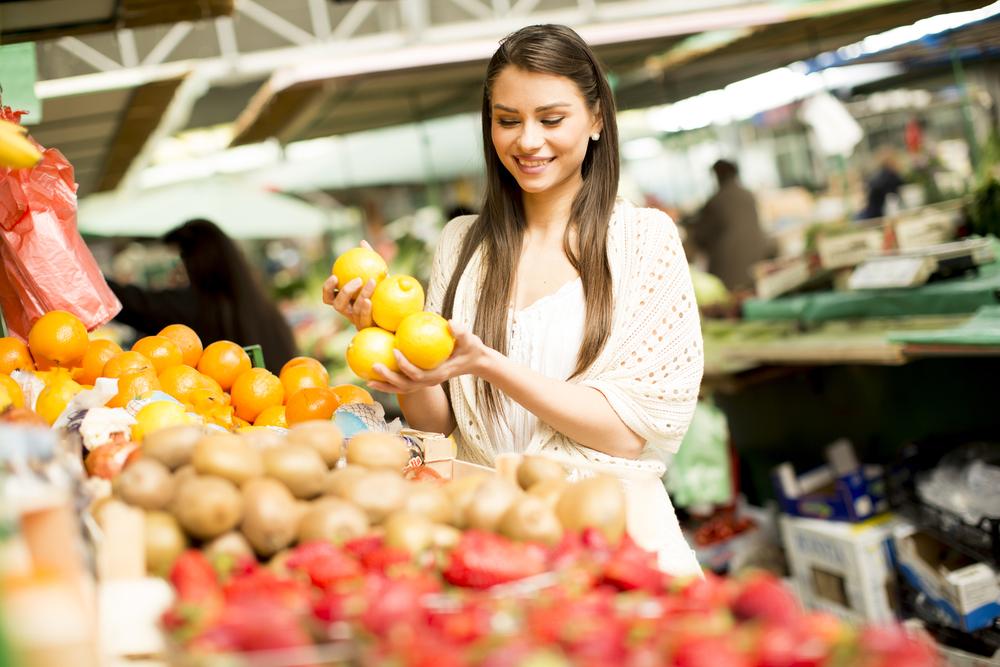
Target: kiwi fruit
<point>492,499</point>
<point>332,520</point>
<point>262,438</point>
<point>338,478</point>
<point>378,450</point>
<point>227,456</point>
<point>429,499</point>
<point>164,541</point>
<point>322,435</point>
<point>268,506</point>
<point>412,532</point>
<point>379,493</point>
<point>172,446</point>
<point>594,502</point>
<point>231,545</point>
<point>444,536</point>
<point>549,490</point>
<point>531,519</point>
<point>298,467</point>
<point>207,506</point>
<point>460,492</point>
<point>534,469</point>
<point>146,483</point>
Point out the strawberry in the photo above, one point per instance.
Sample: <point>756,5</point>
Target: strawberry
<point>396,602</point>
<point>465,622</point>
<point>261,586</point>
<point>631,567</point>
<point>764,597</point>
<point>482,559</point>
<point>193,578</point>
<point>360,546</point>
<point>708,652</point>
<point>892,646</point>
<point>323,563</point>
<point>384,558</point>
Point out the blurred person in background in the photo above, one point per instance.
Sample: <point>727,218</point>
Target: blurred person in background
<point>223,300</point>
<point>727,229</point>
<point>886,181</point>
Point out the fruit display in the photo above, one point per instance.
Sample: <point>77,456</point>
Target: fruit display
<point>400,322</point>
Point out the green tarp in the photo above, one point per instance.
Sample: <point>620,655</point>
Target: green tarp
<point>965,294</point>
<point>981,329</point>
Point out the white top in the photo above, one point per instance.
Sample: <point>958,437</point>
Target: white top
<point>546,337</point>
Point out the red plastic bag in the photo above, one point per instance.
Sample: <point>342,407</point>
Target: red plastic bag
<point>44,263</point>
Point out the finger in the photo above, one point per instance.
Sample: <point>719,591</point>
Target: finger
<point>346,295</point>
<point>391,377</point>
<point>457,328</point>
<point>368,289</point>
<point>406,367</point>
<point>365,244</point>
<point>384,387</point>
<point>330,290</point>
<point>363,313</point>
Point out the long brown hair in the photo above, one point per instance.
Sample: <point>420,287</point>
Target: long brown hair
<point>556,50</point>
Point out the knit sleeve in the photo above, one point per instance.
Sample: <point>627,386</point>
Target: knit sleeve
<point>656,359</point>
<point>445,256</point>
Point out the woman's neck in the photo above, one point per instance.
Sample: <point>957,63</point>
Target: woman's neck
<point>548,212</point>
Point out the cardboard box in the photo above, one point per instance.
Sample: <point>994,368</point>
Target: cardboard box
<point>967,592</point>
<point>439,451</point>
<point>842,568</point>
<point>927,228</point>
<point>776,277</point>
<point>837,251</point>
<point>841,490</point>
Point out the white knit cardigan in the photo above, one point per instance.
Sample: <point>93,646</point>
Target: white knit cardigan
<point>651,366</point>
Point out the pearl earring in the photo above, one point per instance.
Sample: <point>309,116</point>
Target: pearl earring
<point>595,136</point>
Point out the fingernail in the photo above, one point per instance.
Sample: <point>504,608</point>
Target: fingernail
<point>399,355</point>
<point>353,282</point>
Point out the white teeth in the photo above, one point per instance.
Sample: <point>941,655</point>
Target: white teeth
<point>533,163</point>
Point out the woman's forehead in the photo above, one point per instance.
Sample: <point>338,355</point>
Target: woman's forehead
<point>525,91</point>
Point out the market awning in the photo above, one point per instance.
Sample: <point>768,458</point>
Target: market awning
<point>33,20</point>
<point>698,65</point>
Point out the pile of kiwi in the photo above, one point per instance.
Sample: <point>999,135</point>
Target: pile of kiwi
<point>260,493</point>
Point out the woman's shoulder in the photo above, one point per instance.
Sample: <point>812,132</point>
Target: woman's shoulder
<point>641,222</point>
<point>456,228</point>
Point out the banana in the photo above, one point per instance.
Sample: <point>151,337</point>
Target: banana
<point>16,151</point>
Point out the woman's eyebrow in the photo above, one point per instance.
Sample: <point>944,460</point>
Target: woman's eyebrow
<point>545,107</point>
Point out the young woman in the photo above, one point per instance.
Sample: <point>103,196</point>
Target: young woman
<point>576,328</point>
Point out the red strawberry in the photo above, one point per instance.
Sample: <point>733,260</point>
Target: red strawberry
<point>632,567</point>
<point>892,646</point>
<point>786,646</point>
<point>703,595</point>
<point>708,652</point>
<point>360,546</point>
<point>261,586</point>
<point>466,622</point>
<point>193,577</point>
<point>383,558</point>
<point>324,564</point>
<point>764,597</point>
<point>396,602</point>
<point>482,559</point>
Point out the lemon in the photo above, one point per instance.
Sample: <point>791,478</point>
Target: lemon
<point>10,392</point>
<point>157,415</point>
<point>359,263</point>
<point>371,346</point>
<point>55,397</point>
<point>425,339</point>
<point>395,298</point>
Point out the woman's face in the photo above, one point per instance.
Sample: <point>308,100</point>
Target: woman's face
<point>541,129</point>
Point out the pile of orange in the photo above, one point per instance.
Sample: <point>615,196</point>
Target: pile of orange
<point>400,322</point>
<point>216,382</point>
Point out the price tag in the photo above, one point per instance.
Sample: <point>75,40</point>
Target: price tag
<point>891,272</point>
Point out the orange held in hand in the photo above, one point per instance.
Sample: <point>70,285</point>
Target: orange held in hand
<point>224,361</point>
<point>14,356</point>
<point>425,340</point>
<point>98,354</point>
<point>371,346</point>
<point>58,337</point>
<point>254,391</point>
<point>162,351</point>
<point>186,339</point>
<point>126,362</point>
<point>311,403</point>
<point>395,298</point>
<point>361,263</point>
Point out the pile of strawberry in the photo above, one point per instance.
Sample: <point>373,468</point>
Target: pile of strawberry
<point>491,602</point>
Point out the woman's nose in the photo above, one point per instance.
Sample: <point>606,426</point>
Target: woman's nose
<point>531,137</point>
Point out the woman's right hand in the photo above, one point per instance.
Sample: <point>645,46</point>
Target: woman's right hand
<point>354,301</point>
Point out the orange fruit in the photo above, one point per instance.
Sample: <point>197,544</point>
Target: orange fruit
<point>395,298</point>
<point>361,263</point>
<point>224,361</point>
<point>162,351</point>
<point>133,384</point>
<point>311,403</point>
<point>59,337</point>
<point>98,354</point>
<point>185,338</point>
<point>272,416</point>
<point>351,393</point>
<point>300,361</point>
<point>181,381</point>
<point>302,376</point>
<point>371,346</point>
<point>14,355</point>
<point>10,392</point>
<point>255,390</point>
<point>55,397</point>
<point>425,339</point>
<point>126,362</point>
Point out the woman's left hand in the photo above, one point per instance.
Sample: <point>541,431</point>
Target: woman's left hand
<point>467,357</point>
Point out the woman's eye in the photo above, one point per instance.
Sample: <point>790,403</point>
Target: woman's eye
<point>507,122</point>
<point>552,121</point>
